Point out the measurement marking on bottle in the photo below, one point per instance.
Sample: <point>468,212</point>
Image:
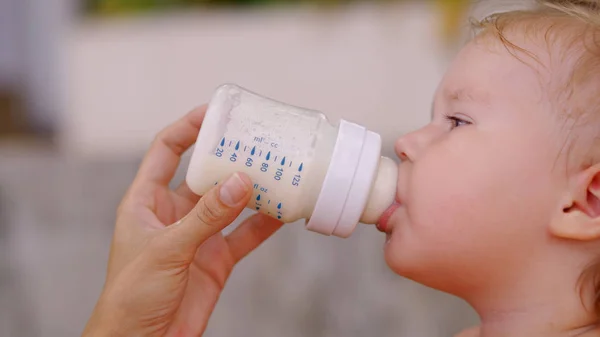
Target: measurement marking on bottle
<point>245,148</point>
<point>290,163</point>
<point>279,212</point>
<point>223,141</point>
<point>278,174</point>
<point>301,167</point>
<point>275,159</point>
<point>237,146</point>
<point>268,155</point>
<point>283,161</point>
<point>230,142</point>
<point>253,151</point>
<point>296,180</point>
<point>260,154</point>
<point>269,202</point>
<point>258,204</point>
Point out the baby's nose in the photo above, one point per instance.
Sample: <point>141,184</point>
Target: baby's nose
<point>409,146</point>
<point>402,148</point>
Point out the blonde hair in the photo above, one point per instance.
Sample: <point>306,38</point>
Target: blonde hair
<point>575,26</point>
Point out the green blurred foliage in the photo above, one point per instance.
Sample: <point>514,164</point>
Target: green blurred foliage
<point>451,11</point>
<point>117,7</point>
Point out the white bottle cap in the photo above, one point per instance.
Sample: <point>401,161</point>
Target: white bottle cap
<point>348,181</point>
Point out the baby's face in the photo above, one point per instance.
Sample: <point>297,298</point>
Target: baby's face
<point>478,185</point>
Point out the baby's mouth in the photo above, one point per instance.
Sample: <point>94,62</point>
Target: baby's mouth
<point>383,224</point>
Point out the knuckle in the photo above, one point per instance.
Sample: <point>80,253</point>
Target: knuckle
<point>210,212</point>
<point>167,137</point>
<point>157,138</point>
<point>161,135</point>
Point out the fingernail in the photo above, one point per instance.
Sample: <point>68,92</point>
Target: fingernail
<point>233,190</point>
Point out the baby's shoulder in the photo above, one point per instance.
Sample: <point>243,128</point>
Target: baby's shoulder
<point>473,332</point>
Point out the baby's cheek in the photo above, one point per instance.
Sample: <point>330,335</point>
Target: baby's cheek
<point>442,202</point>
<point>431,224</point>
<point>452,209</point>
<point>472,212</point>
<point>468,215</point>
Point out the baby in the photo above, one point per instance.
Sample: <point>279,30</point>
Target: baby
<point>498,199</point>
<point>499,196</point>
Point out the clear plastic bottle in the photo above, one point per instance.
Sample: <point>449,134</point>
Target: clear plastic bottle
<point>302,166</point>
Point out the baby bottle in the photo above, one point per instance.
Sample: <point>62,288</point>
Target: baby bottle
<point>302,166</point>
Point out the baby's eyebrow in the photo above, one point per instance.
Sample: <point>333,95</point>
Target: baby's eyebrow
<point>467,95</point>
<point>462,95</point>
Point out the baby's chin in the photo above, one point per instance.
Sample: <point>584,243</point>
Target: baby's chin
<point>410,258</point>
<point>406,264</point>
<point>393,252</point>
<point>402,253</point>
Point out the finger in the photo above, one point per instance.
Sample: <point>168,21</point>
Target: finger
<point>250,234</point>
<point>216,210</point>
<point>162,159</point>
<point>183,190</point>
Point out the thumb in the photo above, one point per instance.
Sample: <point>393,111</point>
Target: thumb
<point>217,209</point>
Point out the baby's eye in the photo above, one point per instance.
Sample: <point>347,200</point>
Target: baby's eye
<point>456,122</point>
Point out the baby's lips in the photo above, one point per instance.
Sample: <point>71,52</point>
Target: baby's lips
<point>383,223</point>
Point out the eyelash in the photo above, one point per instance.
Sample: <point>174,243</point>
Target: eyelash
<point>455,122</point>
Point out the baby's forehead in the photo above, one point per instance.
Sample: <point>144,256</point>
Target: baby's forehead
<point>555,48</point>
<point>535,57</point>
<point>484,71</point>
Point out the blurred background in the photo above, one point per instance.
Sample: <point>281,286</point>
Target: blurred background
<point>85,85</point>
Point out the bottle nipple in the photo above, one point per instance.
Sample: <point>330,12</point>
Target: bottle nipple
<point>383,192</point>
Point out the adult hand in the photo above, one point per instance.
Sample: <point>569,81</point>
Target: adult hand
<point>169,261</point>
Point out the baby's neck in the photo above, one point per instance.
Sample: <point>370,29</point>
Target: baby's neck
<point>534,325</point>
<point>546,303</point>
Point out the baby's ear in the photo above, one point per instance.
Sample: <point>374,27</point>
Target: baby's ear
<point>580,215</point>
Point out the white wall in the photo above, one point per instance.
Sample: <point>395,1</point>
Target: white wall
<point>126,79</point>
